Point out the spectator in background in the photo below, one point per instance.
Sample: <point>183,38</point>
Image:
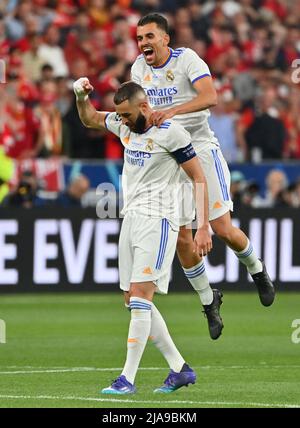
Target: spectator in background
<point>223,122</point>
<point>122,32</point>
<point>51,52</point>
<point>15,22</point>
<point>26,194</point>
<point>4,42</point>
<point>295,196</point>
<point>286,197</point>
<point>31,28</point>
<point>32,62</point>
<point>74,193</point>
<point>47,72</point>
<point>98,12</point>
<point>25,88</point>
<point>251,195</point>
<point>49,140</point>
<point>19,125</point>
<point>23,197</point>
<point>84,50</point>
<point>266,136</point>
<point>290,108</point>
<point>64,95</point>
<point>93,147</point>
<point>237,187</point>
<point>111,78</point>
<point>199,21</point>
<point>276,183</point>
<point>291,46</point>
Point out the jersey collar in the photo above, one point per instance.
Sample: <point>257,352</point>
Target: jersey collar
<point>167,61</point>
<point>147,129</point>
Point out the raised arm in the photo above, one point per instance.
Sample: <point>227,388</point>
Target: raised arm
<point>89,116</point>
<point>202,241</point>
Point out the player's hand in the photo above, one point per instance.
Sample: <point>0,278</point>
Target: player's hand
<point>158,117</point>
<point>82,88</point>
<point>202,242</point>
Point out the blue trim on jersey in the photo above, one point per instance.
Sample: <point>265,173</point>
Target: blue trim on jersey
<point>227,198</point>
<point>221,177</point>
<point>167,61</point>
<point>163,243</point>
<point>184,154</point>
<point>165,125</point>
<point>147,129</point>
<point>177,52</point>
<point>200,77</point>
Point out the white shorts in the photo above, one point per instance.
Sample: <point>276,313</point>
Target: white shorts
<point>146,251</point>
<point>217,175</point>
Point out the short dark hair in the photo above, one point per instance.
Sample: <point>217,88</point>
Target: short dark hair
<point>127,91</point>
<point>158,19</point>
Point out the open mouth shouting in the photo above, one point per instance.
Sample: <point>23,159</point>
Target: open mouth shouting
<point>148,53</point>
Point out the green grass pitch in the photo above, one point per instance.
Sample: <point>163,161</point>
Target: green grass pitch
<point>61,349</point>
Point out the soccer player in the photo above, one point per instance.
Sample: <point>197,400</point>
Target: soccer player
<point>179,85</point>
<point>152,159</point>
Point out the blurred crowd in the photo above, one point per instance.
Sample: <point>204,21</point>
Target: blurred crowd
<point>279,192</point>
<point>251,46</point>
<point>30,193</point>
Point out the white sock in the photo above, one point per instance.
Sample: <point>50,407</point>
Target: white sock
<point>160,336</point>
<point>249,259</point>
<point>198,278</point>
<point>139,331</point>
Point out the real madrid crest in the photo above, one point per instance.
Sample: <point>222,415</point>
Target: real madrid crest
<point>170,76</point>
<point>150,145</point>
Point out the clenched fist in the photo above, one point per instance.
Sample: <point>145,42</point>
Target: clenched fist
<point>82,88</point>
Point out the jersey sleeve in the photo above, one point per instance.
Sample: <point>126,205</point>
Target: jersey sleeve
<point>179,143</point>
<point>136,72</point>
<point>195,67</point>
<point>113,123</point>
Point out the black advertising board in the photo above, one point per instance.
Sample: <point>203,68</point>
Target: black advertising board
<point>50,249</point>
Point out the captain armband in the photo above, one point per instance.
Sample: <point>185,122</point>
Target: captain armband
<point>184,154</point>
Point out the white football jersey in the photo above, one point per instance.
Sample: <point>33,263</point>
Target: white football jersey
<point>151,170</point>
<point>172,84</point>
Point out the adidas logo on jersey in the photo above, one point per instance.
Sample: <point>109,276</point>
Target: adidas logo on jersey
<point>217,204</point>
<point>147,78</point>
<point>147,271</point>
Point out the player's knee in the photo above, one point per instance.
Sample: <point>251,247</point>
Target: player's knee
<point>222,232</point>
<point>142,290</point>
<point>184,241</point>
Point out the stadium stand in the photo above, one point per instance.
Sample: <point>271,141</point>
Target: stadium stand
<point>251,46</point>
